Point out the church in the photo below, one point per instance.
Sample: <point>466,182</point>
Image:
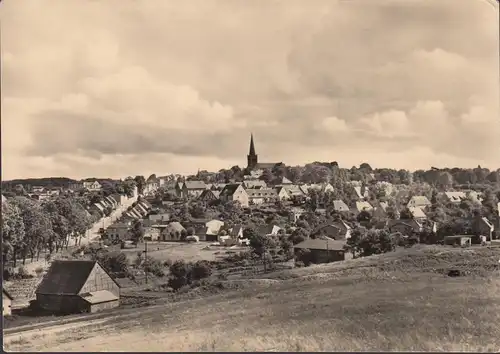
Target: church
<point>253,160</point>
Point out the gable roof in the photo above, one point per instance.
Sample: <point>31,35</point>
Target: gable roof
<point>339,205</point>
<point>66,277</point>
<point>417,212</point>
<point>318,244</point>
<point>362,205</point>
<point>420,200</point>
<point>229,189</point>
<point>267,229</point>
<point>285,180</point>
<point>195,185</point>
<point>455,196</point>
<point>236,230</point>
<point>487,222</point>
<point>174,226</point>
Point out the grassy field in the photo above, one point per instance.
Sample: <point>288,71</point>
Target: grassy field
<point>398,301</point>
<point>190,252</point>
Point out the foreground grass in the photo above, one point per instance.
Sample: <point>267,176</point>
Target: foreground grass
<point>332,307</point>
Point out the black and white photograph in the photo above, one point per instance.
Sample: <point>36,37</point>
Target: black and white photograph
<point>250,175</point>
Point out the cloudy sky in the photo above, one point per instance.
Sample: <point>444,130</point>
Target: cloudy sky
<point>120,87</point>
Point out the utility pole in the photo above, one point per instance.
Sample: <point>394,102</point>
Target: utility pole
<point>145,259</point>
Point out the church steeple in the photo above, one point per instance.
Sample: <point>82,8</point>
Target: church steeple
<point>252,156</point>
<point>252,147</point>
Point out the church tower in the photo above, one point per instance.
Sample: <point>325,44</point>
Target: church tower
<point>252,159</point>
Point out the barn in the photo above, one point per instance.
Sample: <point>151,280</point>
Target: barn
<point>77,286</point>
<point>6,303</point>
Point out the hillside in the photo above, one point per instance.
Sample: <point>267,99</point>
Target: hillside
<point>398,301</point>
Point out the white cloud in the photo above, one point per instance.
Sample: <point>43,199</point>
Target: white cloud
<point>190,80</point>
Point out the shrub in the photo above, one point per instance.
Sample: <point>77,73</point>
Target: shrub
<point>201,270</point>
<point>154,266</point>
<point>167,263</point>
<point>299,264</point>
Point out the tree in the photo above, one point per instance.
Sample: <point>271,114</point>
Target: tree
<point>364,216</point>
<point>261,245</point>
<point>13,233</point>
<point>137,232</point>
<point>140,182</point>
<point>200,270</point>
<point>406,214</point>
<point>180,274</point>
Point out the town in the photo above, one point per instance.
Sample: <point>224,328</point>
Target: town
<point>250,176</point>
<point>73,247</point>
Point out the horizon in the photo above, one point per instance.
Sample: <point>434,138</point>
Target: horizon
<point>156,86</point>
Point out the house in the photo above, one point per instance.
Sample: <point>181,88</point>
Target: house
<point>159,218</point>
<point>172,232</point>
<point>268,230</point>
<point>418,214</point>
<point>119,199</point>
<point>118,231</point>
<point>218,186</point>
<point>459,240</point>
<point>37,189</point>
<point>178,189</point>
<point>96,208</point>
<point>295,214</point>
<point>454,197</point>
<point>285,181</point>
<point>260,196</point>
<point>338,230</point>
<point>320,187</point>
<point>481,226</point>
<point>234,192</point>
<point>236,232</point>
<point>151,234</point>
<point>212,229</point>
<point>404,226</point>
<point>112,201</point>
<point>6,302</point>
<point>92,186</point>
<point>322,251</point>
<point>209,195</point>
<point>193,189</point>
<point>282,194</point>
<point>420,201</point>
<point>77,286</point>
<point>363,206</point>
<point>340,206</point>
<point>293,190</point>
<point>76,186</point>
<point>254,184</point>
<point>152,185</point>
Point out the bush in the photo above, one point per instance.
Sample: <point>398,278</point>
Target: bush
<point>200,270</point>
<point>299,264</point>
<point>168,263</point>
<point>154,267</point>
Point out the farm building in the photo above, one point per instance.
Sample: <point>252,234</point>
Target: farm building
<point>322,251</point>
<point>459,240</point>
<point>6,303</point>
<point>76,287</point>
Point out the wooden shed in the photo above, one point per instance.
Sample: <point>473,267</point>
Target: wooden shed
<point>77,286</point>
<point>6,303</point>
<point>458,240</point>
<point>323,251</point>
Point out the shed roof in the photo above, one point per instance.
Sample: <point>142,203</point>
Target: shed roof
<point>98,297</point>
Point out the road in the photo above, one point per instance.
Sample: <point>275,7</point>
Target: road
<point>91,234</point>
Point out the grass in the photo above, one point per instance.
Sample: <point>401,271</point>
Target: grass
<point>398,301</point>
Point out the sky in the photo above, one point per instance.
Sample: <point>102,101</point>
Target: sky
<point>112,88</point>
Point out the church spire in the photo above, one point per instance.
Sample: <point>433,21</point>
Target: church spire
<point>252,147</point>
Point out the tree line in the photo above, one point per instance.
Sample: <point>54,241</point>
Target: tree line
<point>30,226</point>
